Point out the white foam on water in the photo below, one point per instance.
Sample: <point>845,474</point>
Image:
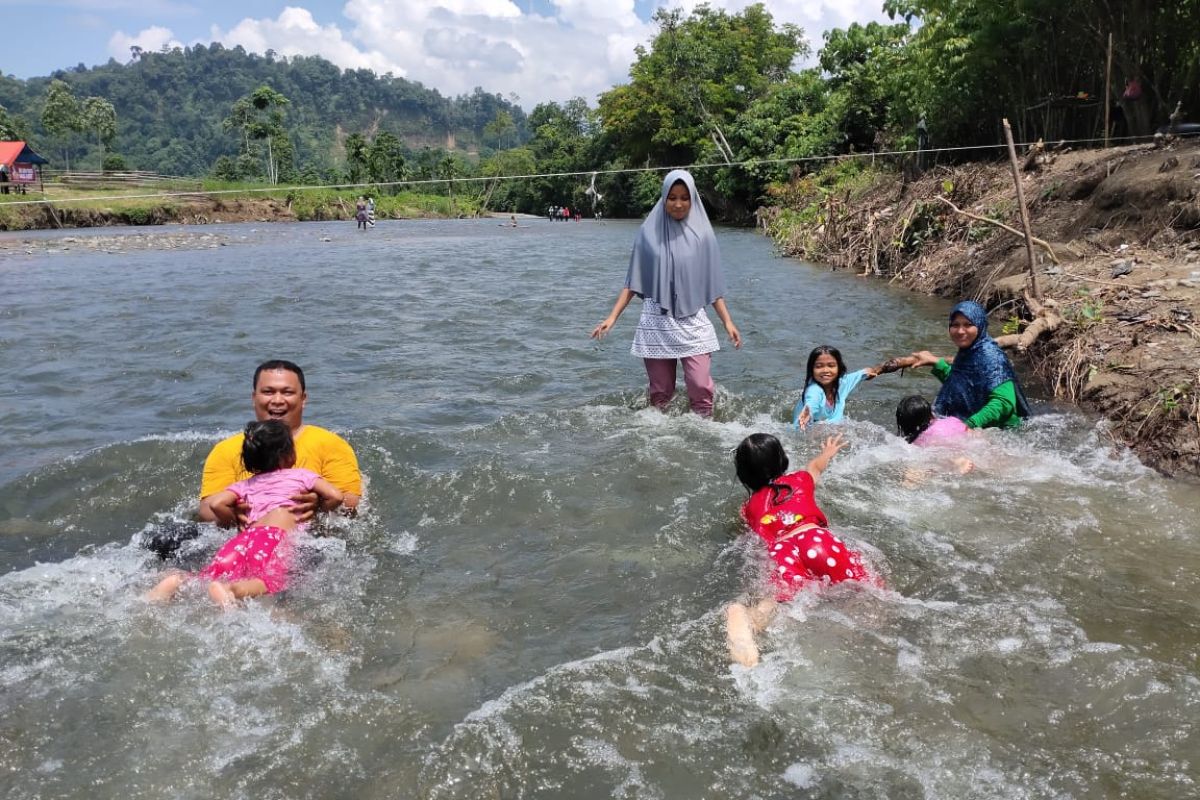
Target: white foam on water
<point>801,776</point>
<point>404,543</point>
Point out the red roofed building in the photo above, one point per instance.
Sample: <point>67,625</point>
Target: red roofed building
<point>19,165</point>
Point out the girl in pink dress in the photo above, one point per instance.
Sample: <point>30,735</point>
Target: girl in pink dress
<point>256,560</point>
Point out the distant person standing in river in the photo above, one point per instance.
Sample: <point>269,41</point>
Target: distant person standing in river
<point>676,269</point>
<point>360,213</point>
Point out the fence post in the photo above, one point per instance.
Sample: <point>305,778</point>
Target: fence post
<point>1016,171</point>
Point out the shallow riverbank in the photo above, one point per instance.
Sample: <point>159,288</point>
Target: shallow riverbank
<point>203,209</point>
<point>1121,268</point>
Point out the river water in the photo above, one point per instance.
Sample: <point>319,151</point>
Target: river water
<point>530,604</point>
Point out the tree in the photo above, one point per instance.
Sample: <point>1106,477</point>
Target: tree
<point>11,126</point>
<point>61,115</point>
<point>258,117</point>
<point>700,73</point>
<point>356,156</point>
<point>226,169</point>
<point>385,159</point>
<point>501,126</point>
<point>100,116</point>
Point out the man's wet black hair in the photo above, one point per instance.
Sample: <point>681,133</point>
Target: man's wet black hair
<point>759,460</point>
<point>266,445</point>
<point>913,416</point>
<point>279,363</point>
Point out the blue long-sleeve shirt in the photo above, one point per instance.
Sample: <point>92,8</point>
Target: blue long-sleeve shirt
<point>819,409</point>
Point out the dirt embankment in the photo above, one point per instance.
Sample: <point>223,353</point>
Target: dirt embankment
<point>1124,228</point>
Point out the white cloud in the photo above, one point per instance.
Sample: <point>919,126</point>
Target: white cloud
<point>573,48</point>
<point>295,32</point>
<point>151,39</point>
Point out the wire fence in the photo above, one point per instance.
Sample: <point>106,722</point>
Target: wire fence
<point>442,181</point>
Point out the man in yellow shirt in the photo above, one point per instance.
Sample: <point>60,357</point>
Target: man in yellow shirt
<point>279,393</point>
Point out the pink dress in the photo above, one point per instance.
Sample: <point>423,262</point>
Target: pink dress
<point>261,551</point>
<point>940,431</point>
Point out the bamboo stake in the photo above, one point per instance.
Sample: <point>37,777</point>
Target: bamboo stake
<point>1016,171</point>
<point>1108,91</point>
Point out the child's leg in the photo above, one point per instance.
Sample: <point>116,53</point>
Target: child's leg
<point>166,588</point>
<point>739,632</point>
<point>226,594</point>
<point>661,372</point>
<point>762,613</point>
<point>697,376</point>
<point>741,623</point>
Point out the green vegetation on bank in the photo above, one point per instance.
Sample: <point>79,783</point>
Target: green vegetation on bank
<point>232,202</point>
<point>712,87</point>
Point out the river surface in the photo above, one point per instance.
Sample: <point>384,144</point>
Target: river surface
<point>530,604</point>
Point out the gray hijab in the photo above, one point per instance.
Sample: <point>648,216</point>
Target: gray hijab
<point>676,264</point>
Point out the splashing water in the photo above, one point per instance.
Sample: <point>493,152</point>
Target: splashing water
<point>530,604</point>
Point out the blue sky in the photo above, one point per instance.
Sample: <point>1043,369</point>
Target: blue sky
<point>535,49</point>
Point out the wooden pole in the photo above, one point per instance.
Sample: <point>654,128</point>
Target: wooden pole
<point>1016,171</point>
<point>1108,92</point>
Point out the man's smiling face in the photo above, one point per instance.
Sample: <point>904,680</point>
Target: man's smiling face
<point>278,395</point>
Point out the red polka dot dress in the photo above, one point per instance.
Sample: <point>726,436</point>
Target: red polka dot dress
<point>778,513</point>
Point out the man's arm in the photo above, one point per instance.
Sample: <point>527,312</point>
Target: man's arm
<point>335,461</point>
<point>221,470</point>
<point>221,508</point>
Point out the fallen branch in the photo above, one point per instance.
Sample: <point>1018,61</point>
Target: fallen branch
<point>1046,320</point>
<point>1070,274</point>
<point>1041,242</point>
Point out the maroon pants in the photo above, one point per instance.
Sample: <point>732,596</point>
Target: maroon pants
<point>697,376</point>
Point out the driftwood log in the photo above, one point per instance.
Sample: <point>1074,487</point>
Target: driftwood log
<point>1045,320</point>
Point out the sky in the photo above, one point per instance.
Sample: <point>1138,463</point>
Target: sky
<point>530,51</point>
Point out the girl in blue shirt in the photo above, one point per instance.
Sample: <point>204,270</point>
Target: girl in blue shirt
<point>827,385</point>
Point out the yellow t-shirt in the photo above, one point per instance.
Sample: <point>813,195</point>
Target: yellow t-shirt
<point>325,453</point>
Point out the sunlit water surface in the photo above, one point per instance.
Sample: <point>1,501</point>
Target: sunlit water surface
<point>529,605</point>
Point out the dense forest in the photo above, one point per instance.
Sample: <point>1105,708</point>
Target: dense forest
<point>712,88</point>
<point>171,109</point>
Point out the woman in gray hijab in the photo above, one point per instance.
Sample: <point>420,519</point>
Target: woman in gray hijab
<point>676,270</point>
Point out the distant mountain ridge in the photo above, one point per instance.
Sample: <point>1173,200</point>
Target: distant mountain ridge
<point>170,107</point>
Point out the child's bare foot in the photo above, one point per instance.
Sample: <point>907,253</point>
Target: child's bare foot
<point>740,633</point>
<point>222,595</point>
<point>166,588</point>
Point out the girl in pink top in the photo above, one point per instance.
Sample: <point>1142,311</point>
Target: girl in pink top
<point>917,424</point>
<point>256,560</point>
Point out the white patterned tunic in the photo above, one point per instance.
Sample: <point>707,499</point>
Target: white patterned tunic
<point>660,335</point>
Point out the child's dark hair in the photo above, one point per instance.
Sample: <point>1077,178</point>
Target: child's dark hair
<point>266,446</point>
<point>825,350</point>
<point>759,460</point>
<point>913,416</point>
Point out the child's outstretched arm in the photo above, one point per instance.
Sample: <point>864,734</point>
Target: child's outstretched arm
<point>891,365</point>
<point>830,449</point>
<point>331,496</point>
<point>807,406</point>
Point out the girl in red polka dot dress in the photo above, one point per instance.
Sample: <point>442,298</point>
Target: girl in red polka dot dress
<point>784,512</point>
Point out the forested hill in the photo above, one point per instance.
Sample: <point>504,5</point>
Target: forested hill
<point>170,107</point>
